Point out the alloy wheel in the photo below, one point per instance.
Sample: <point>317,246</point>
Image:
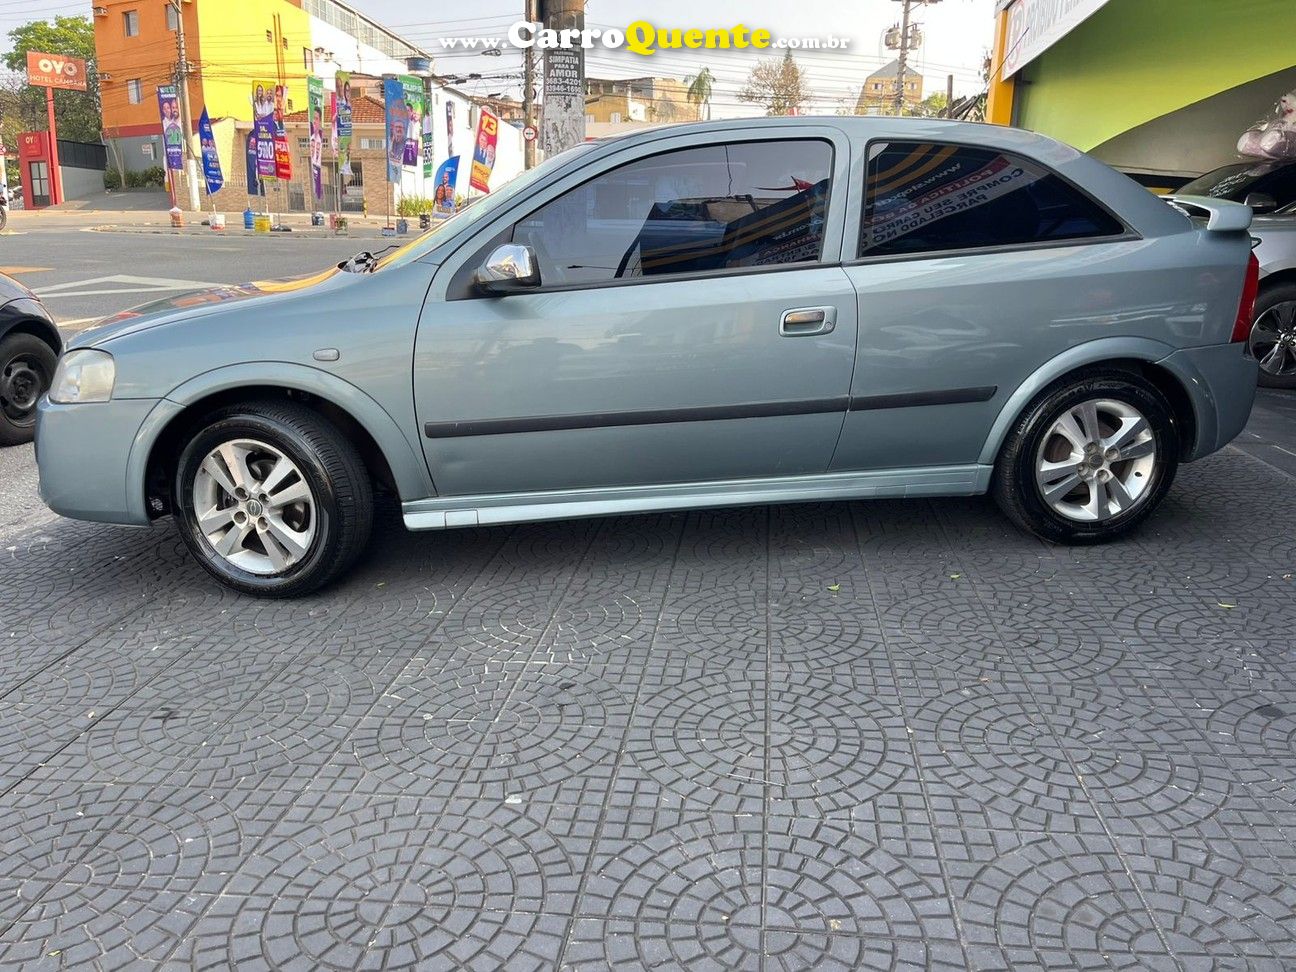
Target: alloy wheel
<point>254,507</point>
<point>1273,339</point>
<point>1096,461</point>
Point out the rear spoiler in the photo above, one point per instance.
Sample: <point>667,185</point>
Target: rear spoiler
<point>1222,216</point>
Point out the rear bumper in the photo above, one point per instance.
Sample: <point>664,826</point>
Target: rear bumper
<point>83,454</point>
<point>1221,382</point>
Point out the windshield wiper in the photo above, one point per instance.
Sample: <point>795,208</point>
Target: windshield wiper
<point>365,260</point>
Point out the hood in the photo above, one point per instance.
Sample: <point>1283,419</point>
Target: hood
<point>11,289</point>
<point>198,304</point>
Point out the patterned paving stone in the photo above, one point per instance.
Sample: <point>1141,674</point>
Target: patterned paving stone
<point>891,735</point>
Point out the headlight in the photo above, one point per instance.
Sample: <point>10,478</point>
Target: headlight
<point>83,375</point>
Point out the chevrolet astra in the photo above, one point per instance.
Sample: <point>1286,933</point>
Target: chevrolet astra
<point>727,313</point>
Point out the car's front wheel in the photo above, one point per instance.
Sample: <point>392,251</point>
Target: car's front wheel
<point>1273,336</point>
<point>272,499</point>
<point>26,368</point>
<point>1089,460</point>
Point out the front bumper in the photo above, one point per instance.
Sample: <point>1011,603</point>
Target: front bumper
<point>83,453</point>
<point>1221,382</point>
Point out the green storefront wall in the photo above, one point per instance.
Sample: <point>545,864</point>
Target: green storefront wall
<point>1136,60</point>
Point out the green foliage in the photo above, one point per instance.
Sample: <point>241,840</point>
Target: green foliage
<point>112,180</point>
<point>414,206</point>
<point>23,107</point>
<point>154,178</point>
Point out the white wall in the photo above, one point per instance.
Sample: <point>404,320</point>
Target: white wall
<point>348,54</point>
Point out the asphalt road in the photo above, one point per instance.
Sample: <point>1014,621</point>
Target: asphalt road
<point>82,274</point>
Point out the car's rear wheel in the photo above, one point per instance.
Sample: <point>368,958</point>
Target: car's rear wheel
<point>272,499</point>
<point>26,368</point>
<point>1089,460</point>
<point>1273,336</point>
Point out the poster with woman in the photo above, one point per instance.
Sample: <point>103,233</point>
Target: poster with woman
<point>443,196</point>
<point>263,128</point>
<point>342,121</point>
<point>172,132</point>
<point>283,158</point>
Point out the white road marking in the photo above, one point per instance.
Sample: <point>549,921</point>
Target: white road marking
<point>129,285</point>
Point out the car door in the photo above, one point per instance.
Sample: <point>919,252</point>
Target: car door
<point>973,267</point>
<point>692,324</point>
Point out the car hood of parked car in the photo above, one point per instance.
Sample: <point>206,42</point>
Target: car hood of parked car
<point>196,304</point>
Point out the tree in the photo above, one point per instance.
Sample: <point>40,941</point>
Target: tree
<point>933,106</point>
<point>22,107</point>
<point>780,86</point>
<point>700,87</point>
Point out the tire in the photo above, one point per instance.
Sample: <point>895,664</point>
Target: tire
<point>26,369</point>
<point>1275,305</point>
<point>1143,480</point>
<point>323,530</point>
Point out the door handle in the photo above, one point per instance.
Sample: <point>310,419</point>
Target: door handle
<point>806,321</point>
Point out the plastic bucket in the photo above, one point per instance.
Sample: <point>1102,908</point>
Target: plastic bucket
<point>217,222</point>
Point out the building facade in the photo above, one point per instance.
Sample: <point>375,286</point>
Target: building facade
<point>1161,89</point>
<point>877,95</point>
<point>661,101</point>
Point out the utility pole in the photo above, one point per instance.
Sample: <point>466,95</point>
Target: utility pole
<point>949,95</point>
<point>564,80</point>
<point>906,40</point>
<point>532,14</point>
<point>903,57</point>
<point>186,116</point>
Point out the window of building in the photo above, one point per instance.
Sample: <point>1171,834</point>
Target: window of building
<point>269,36</point>
<point>172,18</point>
<point>928,196</point>
<point>135,91</point>
<point>376,144</point>
<point>130,22</point>
<point>308,59</point>
<point>616,117</point>
<point>715,207</point>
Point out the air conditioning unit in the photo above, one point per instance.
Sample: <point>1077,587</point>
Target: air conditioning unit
<point>101,11</point>
<point>104,76</point>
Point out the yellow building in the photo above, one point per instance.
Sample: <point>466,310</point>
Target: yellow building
<point>659,100</point>
<point>877,96</point>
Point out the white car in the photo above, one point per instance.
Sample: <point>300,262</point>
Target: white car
<point>1269,188</point>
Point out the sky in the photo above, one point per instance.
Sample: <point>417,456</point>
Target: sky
<point>957,35</point>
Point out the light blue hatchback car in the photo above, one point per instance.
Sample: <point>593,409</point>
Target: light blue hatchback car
<point>717,314</point>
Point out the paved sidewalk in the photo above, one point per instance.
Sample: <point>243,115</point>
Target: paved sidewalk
<point>887,735</point>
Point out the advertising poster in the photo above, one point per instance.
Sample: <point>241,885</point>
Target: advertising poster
<point>429,142</point>
<point>397,127</point>
<point>416,105</point>
<point>263,128</point>
<point>210,157</point>
<point>172,132</point>
<point>283,159</point>
<point>443,196</point>
<point>450,113</point>
<point>483,160</point>
<point>343,121</point>
<point>315,109</point>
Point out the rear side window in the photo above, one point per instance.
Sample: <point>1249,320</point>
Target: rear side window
<point>696,210</point>
<point>928,196</point>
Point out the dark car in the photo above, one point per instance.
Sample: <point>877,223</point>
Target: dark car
<point>29,350</point>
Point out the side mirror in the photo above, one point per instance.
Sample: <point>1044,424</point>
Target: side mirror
<point>1261,202</point>
<point>510,267</point>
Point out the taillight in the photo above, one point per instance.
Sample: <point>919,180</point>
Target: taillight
<point>1246,308</point>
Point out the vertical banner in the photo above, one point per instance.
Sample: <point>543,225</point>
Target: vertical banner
<point>343,122</point>
<point>415,104</point>
<point>397,127</point>
<point>172,132</point>
<point>263,128</point>
<point>483,160</point>
<point>429,143</point>
<point>315,108</point>
<point>563,113</point>
<point>443,196</point>
<point>210,157</point>
<point>450,115</point>
<point>283,158</point>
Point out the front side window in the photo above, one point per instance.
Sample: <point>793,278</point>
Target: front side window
<point>172,18</point>
<point>928,196</point>
<point>135,91</point>
<point>130,22</point>
<point>716,207</point>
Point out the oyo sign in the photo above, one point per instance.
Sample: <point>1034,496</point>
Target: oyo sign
<point>56,71</point>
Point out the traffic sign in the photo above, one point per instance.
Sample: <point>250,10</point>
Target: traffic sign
<point>529,133</point>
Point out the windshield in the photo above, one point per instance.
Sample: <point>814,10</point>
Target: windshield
<point>477,212</point>
<point>1235,182</point>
